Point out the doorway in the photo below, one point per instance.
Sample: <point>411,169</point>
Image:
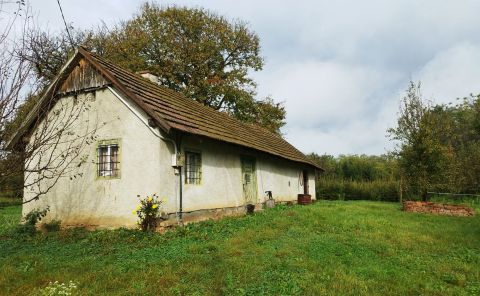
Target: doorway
<point>249,180</point>
<point>305,182</point>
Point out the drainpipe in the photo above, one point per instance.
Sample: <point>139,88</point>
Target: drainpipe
<point>181,193</point>
<point>178,143</point>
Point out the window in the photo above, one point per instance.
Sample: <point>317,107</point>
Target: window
<point>108,164</point>
<point>193,168</point>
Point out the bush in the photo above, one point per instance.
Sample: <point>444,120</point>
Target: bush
<point>29,227</point>
<point>35,216</point>
<point>24,229</point>
<point>379,190</point>
<point>52,226</point>
<point>468,200</point>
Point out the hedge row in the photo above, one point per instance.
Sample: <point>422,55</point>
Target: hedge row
<point>379,190</point>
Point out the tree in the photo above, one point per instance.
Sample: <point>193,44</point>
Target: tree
<point>192,50</point>
<point>54,147</point>
<point>461,136</point>
<point>327,162</point>
<point>47,52</point>
<point>422,156</point>
<point>14,71</point>
<point>14,75</point>
<point>265,113</point>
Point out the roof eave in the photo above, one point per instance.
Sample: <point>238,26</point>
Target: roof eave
<point>305,162</point>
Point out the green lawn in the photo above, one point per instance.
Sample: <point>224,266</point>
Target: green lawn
<point>331,248</point>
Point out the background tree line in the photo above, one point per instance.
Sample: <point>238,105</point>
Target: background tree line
<point>437,150</point>
<point>358,177</point>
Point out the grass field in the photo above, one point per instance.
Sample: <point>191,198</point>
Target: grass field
<point>330,248</point>
<point>8,201</point>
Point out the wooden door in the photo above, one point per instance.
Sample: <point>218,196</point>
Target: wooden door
<point>249,181</point>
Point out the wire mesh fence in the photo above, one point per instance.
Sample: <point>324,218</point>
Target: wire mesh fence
<point>455,198</point>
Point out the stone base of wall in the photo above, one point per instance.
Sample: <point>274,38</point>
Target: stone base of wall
<point>201,215</point>
<point>437,208</point>
<point>206,214</point>
<point>171,220</point>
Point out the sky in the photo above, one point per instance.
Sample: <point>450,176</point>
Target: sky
<point>340,67</point>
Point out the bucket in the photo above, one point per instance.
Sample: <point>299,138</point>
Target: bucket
<point>304,199</point>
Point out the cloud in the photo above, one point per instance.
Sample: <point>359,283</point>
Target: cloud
<point>325,92</point>
<point>330,103</point>
<point>363,137</point>
<point>451,73</point>
<point>340,66</point>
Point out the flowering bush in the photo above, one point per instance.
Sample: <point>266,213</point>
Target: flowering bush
<point>57,288</point>
<point>148,211</point>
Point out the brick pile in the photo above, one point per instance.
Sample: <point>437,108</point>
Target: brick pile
<point>437,208</point>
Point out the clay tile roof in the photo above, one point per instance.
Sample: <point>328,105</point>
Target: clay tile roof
<point>187,115</point>
<point>172,110</point>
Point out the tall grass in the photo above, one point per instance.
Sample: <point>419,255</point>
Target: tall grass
<point>339,189</point>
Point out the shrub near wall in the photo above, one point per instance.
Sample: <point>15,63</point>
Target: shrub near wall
<point>379,190</point>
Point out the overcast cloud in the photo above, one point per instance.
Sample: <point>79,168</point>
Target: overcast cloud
<point>339,66</point>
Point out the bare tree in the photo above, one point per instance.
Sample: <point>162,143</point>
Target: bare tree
<point>49,143</point>
<point>14,71</point>
<point>15,19</point>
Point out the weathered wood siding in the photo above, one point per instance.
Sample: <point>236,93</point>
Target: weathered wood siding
<point>83,76</point>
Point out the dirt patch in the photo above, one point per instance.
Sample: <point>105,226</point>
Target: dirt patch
<point>437,208</point>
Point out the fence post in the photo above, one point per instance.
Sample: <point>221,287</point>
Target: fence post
<point>401,191</point>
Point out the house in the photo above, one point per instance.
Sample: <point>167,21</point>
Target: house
<point>150,139</point>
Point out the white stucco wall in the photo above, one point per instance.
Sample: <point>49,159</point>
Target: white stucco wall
<point>145,168</point>
<point>144,160</point>
<point>221,184</point>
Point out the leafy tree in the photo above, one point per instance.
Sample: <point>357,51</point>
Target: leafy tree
<point>47,52</point>
<point>191,50</point>
<point>461,136</point>
<point>265,113</point>
<point>419,150</point>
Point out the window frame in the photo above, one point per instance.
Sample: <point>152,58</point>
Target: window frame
<point>195,181</point>
<point>112,142</point>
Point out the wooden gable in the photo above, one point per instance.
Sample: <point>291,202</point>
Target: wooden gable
<point>82,77</point>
